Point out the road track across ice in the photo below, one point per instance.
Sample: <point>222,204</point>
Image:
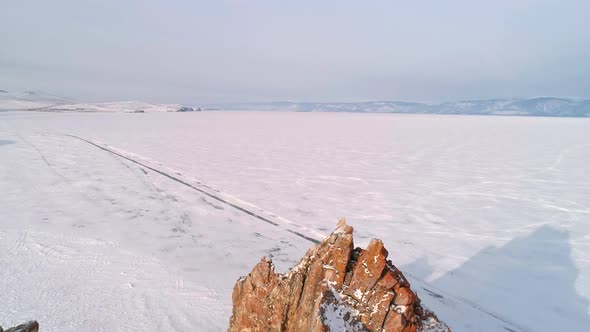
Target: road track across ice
<point>240,205</point>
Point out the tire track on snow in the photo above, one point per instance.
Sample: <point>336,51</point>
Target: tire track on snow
<point>202,191</point>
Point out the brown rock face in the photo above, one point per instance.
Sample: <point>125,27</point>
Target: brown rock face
<point>333,288</point>
<point>31,326</point>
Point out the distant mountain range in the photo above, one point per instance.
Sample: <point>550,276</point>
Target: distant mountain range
<point>541,106</point>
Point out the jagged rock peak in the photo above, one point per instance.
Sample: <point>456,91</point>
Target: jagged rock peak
<point>334,287</point>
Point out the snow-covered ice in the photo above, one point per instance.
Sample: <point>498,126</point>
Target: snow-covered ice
<point>489,217</point>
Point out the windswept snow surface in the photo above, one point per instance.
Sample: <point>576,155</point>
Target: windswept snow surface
<point>489,217</point>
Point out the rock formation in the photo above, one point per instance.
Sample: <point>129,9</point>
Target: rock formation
<point>333,288</point>
<point>30,326</point>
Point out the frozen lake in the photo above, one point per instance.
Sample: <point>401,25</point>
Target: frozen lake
<point>489,216</point>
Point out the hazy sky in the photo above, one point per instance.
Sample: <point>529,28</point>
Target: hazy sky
<point>219,51</point>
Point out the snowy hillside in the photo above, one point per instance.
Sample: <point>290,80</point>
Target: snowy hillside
<point>28,100</point>
<point>543,106</point>
<point>128,107</point>
<point>40,101</point>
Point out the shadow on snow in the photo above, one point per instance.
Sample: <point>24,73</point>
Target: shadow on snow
<point>529,283</point>
<point>5,142</point>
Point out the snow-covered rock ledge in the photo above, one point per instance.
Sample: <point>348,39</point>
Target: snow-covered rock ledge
<point>335,287</point>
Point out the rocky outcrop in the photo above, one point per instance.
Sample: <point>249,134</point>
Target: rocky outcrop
<point>30,326</point>
<point>335,287</point>
<point>188,109</point>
